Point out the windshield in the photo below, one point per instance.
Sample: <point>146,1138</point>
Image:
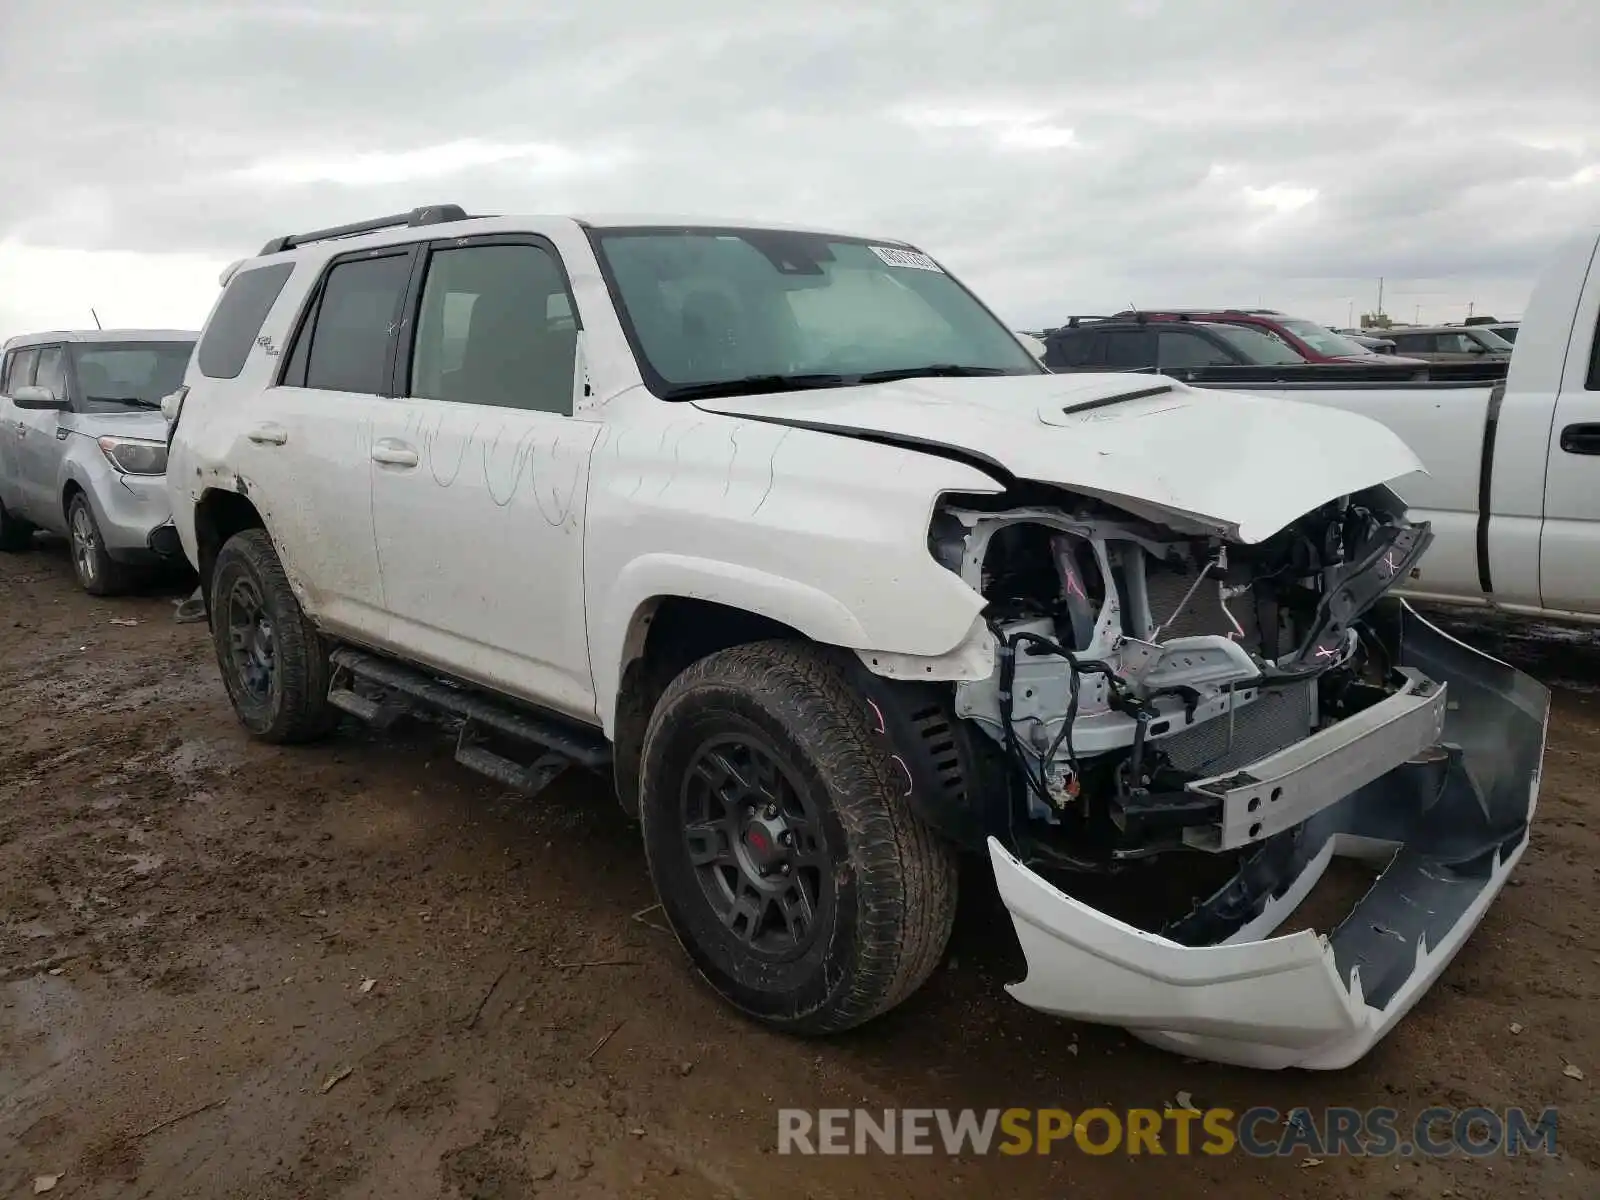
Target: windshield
<point>1260,348</point>
<point>1323,341</point>
<point>1491,339</point>
<point>117,376</point>
<point>729,310</point>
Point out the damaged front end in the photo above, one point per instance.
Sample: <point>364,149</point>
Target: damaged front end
<point>1167,698</point>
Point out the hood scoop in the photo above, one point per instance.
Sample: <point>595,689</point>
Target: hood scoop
<point>1119,398</point>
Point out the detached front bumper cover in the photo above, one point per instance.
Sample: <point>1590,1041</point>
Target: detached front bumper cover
<point>1450,824</point>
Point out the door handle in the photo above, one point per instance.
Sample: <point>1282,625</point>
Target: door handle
<point>1581,439</point>
<point>269,434</point>
<point>394,453</point>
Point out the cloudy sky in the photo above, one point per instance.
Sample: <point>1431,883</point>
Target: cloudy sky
<point>1062,157</point>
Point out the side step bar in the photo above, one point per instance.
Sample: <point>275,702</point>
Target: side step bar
<point>486,727</point>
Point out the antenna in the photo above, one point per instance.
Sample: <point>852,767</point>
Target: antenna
<point>96,317</point>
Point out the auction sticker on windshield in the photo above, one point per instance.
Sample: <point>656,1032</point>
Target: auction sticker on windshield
<point>896,257</point>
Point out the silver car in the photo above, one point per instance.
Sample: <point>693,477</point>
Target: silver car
<point>1449,343</point>
<point>83,447</point>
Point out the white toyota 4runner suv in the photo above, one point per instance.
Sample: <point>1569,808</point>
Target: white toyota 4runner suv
<point>788,532</point>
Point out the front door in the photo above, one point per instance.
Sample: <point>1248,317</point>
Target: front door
<point>480,474</point>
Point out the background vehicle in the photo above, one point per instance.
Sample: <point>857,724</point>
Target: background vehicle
<point>1312,342</point>
<point>1378,345</point>
<point>836,578</point>
<point>1195,349</point>
<point>1138,342</point>
<point>1450,343</point>
<point>83,447</point>
<point>1513,484</point>
<point>1502,329</point>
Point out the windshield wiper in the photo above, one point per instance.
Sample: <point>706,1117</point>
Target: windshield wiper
<point>136,401</point>
<point>953,370</point>
<point>753,385</point>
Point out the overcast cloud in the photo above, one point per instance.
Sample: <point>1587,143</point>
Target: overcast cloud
<point>1062,157</point>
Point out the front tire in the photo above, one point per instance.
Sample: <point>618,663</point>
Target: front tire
<point>786,858</point>
<point>273,660</point>
<point>98,573</point>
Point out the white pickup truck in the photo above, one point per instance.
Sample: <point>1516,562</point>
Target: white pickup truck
<point>785,530</point>
<point>1512,490</point>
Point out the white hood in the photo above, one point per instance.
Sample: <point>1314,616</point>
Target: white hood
<point>1245,464</point>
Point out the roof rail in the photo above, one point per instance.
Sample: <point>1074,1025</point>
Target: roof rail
<point>1137,316</point>
<point>432,214</point>
<point>1142,315</point>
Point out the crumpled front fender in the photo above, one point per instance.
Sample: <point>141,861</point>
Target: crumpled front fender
<point>1450,826</point>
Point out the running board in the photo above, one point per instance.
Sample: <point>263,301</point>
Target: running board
<point>490,732</point>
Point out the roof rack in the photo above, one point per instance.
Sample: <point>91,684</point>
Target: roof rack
<point>431,214</point>
<point>1135,316</point>
<point>1141,316</point>
<point>1202,313</point>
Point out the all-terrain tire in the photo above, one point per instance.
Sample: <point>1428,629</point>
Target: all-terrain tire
<point>98,573</point>
<point>292,703</point>
<point>891,880</point>
<point>16,535</point>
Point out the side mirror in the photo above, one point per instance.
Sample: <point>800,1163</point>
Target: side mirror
<point>32,396</point>
<point>1477,348</point>
<point>172,404</point>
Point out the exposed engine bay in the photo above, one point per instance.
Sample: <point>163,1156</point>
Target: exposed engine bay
<point>1266,707</point>
<point>1136,663</point>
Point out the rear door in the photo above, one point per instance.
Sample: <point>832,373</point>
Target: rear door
<point>307,452</point>
<point>18,373</point>
<point>41,442</point>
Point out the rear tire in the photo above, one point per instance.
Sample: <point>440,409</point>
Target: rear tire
<point>273,661</point>
<point>787,861</point>
<point>98,573</point>
<point>16,535</point>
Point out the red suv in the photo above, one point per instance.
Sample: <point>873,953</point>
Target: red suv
<point>1313,342</point>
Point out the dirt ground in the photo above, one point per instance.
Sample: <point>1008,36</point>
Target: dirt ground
<point>188,922</point>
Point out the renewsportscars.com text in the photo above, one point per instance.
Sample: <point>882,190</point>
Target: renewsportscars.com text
<point>1257,1132</point>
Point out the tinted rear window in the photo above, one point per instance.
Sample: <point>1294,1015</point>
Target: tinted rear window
<point>350,341</point>
<point>1130,350</point>
<point>233,328</point>
<point>1067,348</point>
